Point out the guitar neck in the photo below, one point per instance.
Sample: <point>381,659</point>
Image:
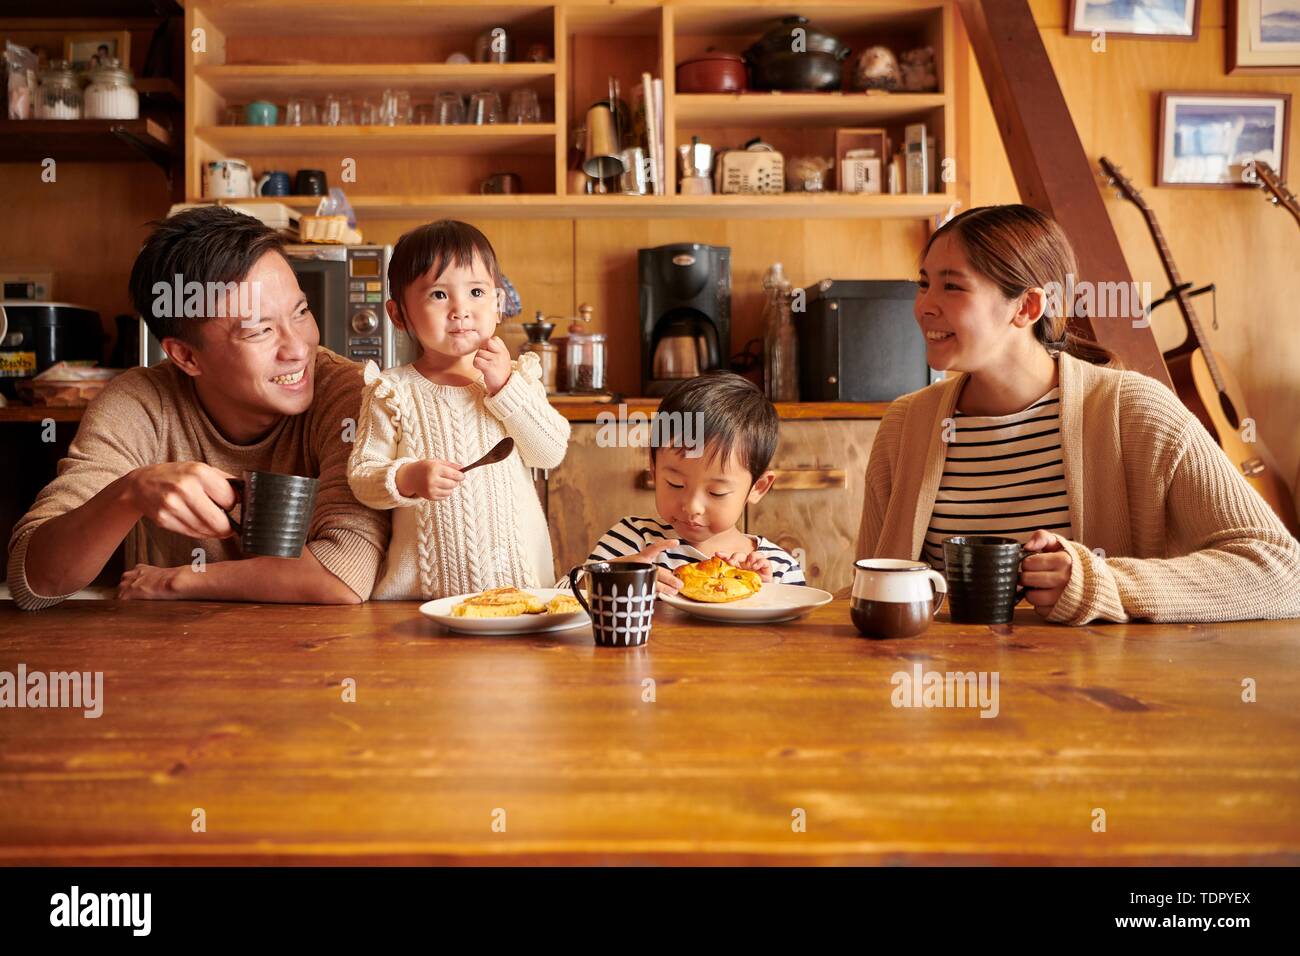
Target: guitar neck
<point>1184,303</point>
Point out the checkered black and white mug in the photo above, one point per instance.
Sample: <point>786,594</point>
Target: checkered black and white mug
<point>622,600</point>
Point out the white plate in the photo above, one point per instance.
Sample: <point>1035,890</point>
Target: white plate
<point>440,611</point>
<point>774,603</point>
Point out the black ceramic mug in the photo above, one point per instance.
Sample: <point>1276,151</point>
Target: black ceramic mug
<point>983,573</point>
<point>275,512</point>
<point>310,182</point>
<point>622,600</point>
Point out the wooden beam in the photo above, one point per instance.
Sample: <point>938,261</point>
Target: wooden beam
<point>1052,171</point>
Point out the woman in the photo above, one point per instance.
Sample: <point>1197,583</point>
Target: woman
<point>1130,508</point>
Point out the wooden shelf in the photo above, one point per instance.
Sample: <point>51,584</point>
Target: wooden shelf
<point>84,140</point>
<point>252,82</point>
<point>802,109</point>
<point>531,206</point>
<point>35,414</point>
<point>528,139</point>
<point>295,18</point>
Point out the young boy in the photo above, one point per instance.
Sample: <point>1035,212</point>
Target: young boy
<point>718,433</point>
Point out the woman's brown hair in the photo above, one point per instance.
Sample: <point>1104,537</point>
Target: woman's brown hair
<point>1018,248</point>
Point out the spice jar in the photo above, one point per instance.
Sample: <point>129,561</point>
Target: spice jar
<point>110,94</point>
<point>548,353</point>
<point>59,96</point>
<point>584,355</point>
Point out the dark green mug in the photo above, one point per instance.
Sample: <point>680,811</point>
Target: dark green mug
<point>275,512</point>
<point>983,573</point>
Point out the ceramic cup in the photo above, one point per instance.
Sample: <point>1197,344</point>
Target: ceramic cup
<point>275,512</point>
<point>310,182</point>
<point>273,183</point>
<point>893,598</point>
<point>983,573</point>
<point>622,600</point>
<point>261,113</point>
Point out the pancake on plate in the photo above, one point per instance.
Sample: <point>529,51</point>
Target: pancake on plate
<point>563,604</point>
<point>716,582</point>
<point>499,602</point>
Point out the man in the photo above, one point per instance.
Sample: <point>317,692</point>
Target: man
<point>247,387</point>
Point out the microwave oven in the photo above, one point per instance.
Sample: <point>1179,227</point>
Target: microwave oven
<point>346,287</point>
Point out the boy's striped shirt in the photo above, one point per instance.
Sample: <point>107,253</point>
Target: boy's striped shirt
<point>632,535</point>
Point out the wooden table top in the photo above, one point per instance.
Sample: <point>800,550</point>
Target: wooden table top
<point>238,710</point>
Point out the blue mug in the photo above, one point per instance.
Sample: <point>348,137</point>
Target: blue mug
<point>273,183</point>
<point>261,113</point>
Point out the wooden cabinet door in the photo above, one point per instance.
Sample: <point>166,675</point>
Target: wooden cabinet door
<point>591,490</point>
<point>815,505</point>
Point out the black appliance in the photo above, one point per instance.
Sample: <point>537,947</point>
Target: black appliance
<point>685,312</point>
<point>38,334</point>
<point>859,342</point>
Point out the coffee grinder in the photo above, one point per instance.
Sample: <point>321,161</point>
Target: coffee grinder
<point>685,312</point>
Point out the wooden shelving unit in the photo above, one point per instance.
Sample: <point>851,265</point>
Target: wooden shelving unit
<point>362,48</point>
<point>84,140</point>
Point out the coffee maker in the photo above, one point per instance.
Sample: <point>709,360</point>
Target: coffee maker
<point>685,312</point>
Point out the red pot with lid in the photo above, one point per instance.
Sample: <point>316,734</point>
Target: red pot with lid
<point>712,72</point>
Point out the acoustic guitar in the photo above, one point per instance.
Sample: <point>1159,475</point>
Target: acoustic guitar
<point>1270,182</point>
<point>1204,383</point>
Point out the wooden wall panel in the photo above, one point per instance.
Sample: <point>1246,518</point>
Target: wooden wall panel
<point>1230,237</point>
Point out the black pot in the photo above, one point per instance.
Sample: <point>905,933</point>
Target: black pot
<point>817,67</point>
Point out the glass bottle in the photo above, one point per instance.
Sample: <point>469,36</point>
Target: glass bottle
<point>110,94</point>
<point>59,96</point>
<point>584,355</point>
<point>780,359</point>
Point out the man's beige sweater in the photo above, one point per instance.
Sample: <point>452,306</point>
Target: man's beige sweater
<point>147,416</point>
<point>1163,528</point>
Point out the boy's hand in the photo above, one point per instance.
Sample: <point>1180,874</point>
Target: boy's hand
<point>145,582</point>
<point>665,581</point>
<point>754,561</point>
<point>1046,572</point>
<point>493,360</point>
<point>430,478</point>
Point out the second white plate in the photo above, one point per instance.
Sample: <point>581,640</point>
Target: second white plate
<point>773,604</point>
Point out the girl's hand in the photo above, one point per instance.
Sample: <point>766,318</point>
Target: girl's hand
<point>754,561</point>
<point>430,478</point>
<point>665,581</point>
<point>1046,572</point>
<point>493,360</point>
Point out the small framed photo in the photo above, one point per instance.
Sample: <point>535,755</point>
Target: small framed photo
<point>1152,19</point>
<point>1263,37</point>
<point>1206,139</point>
<point>88,51</point>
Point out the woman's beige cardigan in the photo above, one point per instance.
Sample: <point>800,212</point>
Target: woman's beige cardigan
<point>1162,527</point>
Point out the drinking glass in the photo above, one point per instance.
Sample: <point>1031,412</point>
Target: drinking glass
<point>395,108</point>
<point>485,108</point>
<point>524,107</point>
<point>449,109</point>
<point>338,110</point>
<point>300,111</point>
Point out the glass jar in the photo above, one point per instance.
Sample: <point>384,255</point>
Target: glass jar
<point>110,94</point>
<point>59,95</point>
<point>584,361</point>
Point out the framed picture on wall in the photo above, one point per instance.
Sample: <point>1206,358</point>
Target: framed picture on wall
<point>1263,36</point>
<point>1206,139</point>
<point>88,51</point>
<point>1153,19</point>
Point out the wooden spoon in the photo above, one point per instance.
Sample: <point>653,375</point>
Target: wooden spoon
<point>500,452</point>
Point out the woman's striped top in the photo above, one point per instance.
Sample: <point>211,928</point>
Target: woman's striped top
<point>1003,475</point>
